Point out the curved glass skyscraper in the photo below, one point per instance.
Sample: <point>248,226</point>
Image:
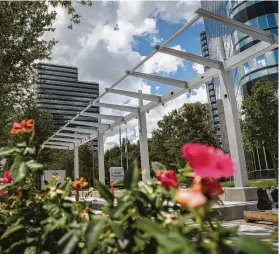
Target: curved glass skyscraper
<point>260,14</point>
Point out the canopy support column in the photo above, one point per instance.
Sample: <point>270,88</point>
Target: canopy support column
<point>144,156</point>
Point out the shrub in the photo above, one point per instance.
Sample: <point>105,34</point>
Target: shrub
<point>152,217</point>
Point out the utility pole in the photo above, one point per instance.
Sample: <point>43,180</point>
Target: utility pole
<point>120,142</point>
<point>126,150</point>
<point>93,163</point>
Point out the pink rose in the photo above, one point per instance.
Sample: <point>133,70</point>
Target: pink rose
<point>7,177</point>
<point>208,161</point>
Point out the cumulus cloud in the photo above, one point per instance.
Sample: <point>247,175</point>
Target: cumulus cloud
<point>198,68</point>
<point>101,46</point>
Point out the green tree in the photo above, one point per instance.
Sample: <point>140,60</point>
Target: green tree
<point>260,125</point>
<point>190,123</point>
<point>22,26</point>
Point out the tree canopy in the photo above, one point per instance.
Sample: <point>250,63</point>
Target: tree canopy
<point>260,110</point>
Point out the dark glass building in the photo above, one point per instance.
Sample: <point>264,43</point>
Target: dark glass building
<point>215,105</point>
<point>61,93</point>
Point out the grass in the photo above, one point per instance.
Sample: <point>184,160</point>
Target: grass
<point>262,183</point>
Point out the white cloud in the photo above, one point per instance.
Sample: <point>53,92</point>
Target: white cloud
<point>101,46</point>
<point>198,68</point>
<point>163,63</point>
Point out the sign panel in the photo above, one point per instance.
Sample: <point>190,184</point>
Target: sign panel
<point>47,175</point>
<point>117,174</point>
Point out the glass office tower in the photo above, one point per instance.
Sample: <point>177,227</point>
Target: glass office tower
<point>260,14</point>
<point>61,93</point>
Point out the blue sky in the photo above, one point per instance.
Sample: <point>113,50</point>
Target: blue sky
<point>189,41</point>
<point>102,54</point>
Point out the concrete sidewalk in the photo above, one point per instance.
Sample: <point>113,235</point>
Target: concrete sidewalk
<point>262,231</point>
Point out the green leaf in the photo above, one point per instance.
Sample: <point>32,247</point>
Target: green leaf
<point>105,192</point>
<point>21,144</point>
<point>6,151</point>
<point>157,166</point>
<point>30,250</point>
<point>66,186</point>
<point>34,166</point>
<point>249,245</point>
<point>93,232</point>
<point>11,230</point>
<point>19,171</point>
<point>71,245</point>
<point>132,176</point>
<point>117,229</point>
<point>150,227</point>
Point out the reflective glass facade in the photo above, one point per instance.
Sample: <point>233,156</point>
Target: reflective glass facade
<point>60,92</point>
<point>260,14</point>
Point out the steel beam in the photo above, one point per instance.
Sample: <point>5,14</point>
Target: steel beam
<point>236,25</point>
<point>249,54</point>
<point>118,107</point>
<point>192,57</point>
<point>147,97</point>
<point>82,130</point>
<point>69,140</point>
<point>102,116</point>
<point>56,147</point>
<point>159,79</point>
<point>59,144</point>
<point>72,135</point>
<point>92,124</point>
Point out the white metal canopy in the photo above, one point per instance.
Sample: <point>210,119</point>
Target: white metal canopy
<point>68,137</point>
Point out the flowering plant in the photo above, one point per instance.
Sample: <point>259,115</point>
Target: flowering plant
<point>152,217</point>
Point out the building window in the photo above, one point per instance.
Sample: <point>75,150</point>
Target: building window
<point>260,61</point>
<point>212,93</point>
<point>252,65</point>
<point>210,86</point>
<point>246,68</point>
<point>271,20</point>
<point>262,22</point>
<point>269,56</point>
<point>254,22</point>
<point>274,31</point>
<point>276,55</point>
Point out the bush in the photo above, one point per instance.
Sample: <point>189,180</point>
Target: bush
<point>152,217</point>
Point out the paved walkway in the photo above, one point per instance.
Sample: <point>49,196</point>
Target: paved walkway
<point>261,231</point>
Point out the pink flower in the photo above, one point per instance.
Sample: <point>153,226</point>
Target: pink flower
<point>168,178</point>
<point>208,161</point>
<point>7,177</point>
<point>190,198</point>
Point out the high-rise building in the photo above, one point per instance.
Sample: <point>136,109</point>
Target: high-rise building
<point>216,107</point>
<point>61,93</point>
<point>260,14</point>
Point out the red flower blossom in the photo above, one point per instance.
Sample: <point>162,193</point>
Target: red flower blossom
<point>7,177</point>
<point>3,193</point>
<point>25,126</point>
<point>208,186</point>
<point>167,178</point>
<point>208,161</point>
<point>79,183</point>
